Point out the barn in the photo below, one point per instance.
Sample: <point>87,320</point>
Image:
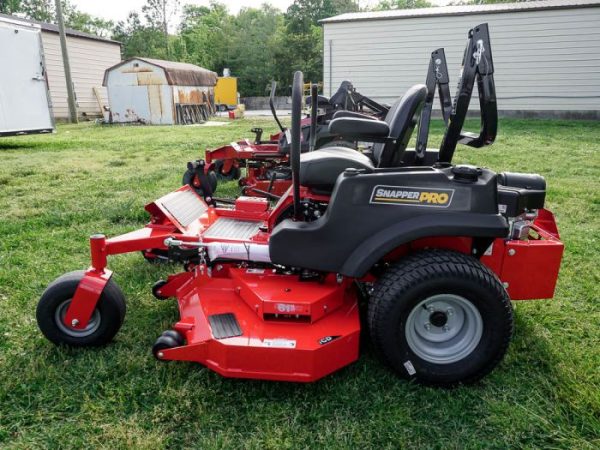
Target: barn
<point>89,56</point>
<point>545,53</point>
<point>159,92</point>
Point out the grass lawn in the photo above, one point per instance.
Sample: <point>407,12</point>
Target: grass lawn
<point>56,190</point>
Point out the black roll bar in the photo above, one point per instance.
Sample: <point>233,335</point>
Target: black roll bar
<point>295,137</point>
<point>314,111</point>
<point>477,65</point>
<point>272,105</point>
<point>437,75</point>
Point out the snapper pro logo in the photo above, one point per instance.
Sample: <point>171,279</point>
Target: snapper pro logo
<point>411,196</point>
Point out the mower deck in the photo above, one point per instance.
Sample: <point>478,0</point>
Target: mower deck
<point>252,323</point>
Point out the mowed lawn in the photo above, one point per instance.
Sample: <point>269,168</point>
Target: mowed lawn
<point>56,190</point>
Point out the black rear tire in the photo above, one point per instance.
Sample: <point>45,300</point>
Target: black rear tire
<point>105,322</point>
<point>400,299</point>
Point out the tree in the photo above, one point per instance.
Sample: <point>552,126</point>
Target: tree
<point>301,43</point>
<point>139,39</point>
<point>44,11</point>
<point>384,5</point>
<point>10,6</point>
<point>89,24</point>
<point>159,15</point>
<point>252,55</point>
<point>205,36</point>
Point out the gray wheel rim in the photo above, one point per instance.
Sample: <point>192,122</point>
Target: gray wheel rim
<point>92,325</point>
<point>444,329</point>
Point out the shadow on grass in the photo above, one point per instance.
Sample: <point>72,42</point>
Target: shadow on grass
<point>14,145</point>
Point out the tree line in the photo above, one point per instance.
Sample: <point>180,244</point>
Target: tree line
<point>258,45</point>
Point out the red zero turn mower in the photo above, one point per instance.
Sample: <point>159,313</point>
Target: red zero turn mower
<point>433,251</point>
<point>267,162</point>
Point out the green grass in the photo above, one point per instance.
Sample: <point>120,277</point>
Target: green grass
<point>56,190</point>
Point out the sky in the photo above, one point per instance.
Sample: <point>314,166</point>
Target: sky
<point>119,9</point>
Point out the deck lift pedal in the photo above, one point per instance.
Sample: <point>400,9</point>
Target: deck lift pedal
<point>274,292</point>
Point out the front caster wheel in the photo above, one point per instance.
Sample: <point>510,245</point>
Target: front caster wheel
<point>440,318</point>
<point>156,290</point>
<point>105,322</point>
<point>190,177</point>
<point>233,174</point>
<point>169,339</point>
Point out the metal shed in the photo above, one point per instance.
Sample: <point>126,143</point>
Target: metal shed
<point>545,53</point>
<point>159,92</point>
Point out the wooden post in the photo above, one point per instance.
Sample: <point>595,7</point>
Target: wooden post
<point>66,65</point>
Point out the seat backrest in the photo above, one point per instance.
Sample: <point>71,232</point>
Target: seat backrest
<point>340,98</point>
<point>401,118</point>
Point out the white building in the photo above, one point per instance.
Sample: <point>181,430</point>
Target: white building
<point>89,56</point>
<point>546,53</point>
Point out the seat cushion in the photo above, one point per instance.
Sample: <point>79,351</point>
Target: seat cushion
<point>320,169</point>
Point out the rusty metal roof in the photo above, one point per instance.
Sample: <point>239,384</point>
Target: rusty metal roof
<point>460,10</point>
<point>177,73</point>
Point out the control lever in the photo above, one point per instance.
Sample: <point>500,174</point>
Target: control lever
<point>258,132</point>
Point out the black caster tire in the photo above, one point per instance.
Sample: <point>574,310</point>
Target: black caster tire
<point>163,343</point>
<point>175,335</point>
<point>234,174</point>
<point>440,318</point>
<point>155,287</point>
<point>190,175</point>
<point>104,324</point>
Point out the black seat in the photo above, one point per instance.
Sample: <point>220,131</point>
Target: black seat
<point>320,169</point>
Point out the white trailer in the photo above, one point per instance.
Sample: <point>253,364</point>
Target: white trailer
<point>25,105</point>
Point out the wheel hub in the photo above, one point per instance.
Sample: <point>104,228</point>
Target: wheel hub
<point>438,319</point>
<point>91,327</point>
<point>444,328</point>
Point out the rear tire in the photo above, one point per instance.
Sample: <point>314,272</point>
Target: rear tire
<point>441,318</point>
<point>105,322</point>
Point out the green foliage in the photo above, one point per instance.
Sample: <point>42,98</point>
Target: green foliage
<point>205,36</point>
<point>89,24</point>
<point>10,6</point>
<point>253,48</point>
<point>45,11</point>
<point>384,5</point>
<point>140,39</point>
<point>258,44</point>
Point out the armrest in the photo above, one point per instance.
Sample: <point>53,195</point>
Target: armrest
<point>359,129</point>
<point>340,114</point>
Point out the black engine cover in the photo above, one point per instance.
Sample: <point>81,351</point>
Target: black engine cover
<point>371,214</point>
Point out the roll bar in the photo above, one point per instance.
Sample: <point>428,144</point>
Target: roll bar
<point>296,134</point>
<point>477,65</point>
<point>437,76</point>
<point>272,105</point>
<point>314,110</point>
